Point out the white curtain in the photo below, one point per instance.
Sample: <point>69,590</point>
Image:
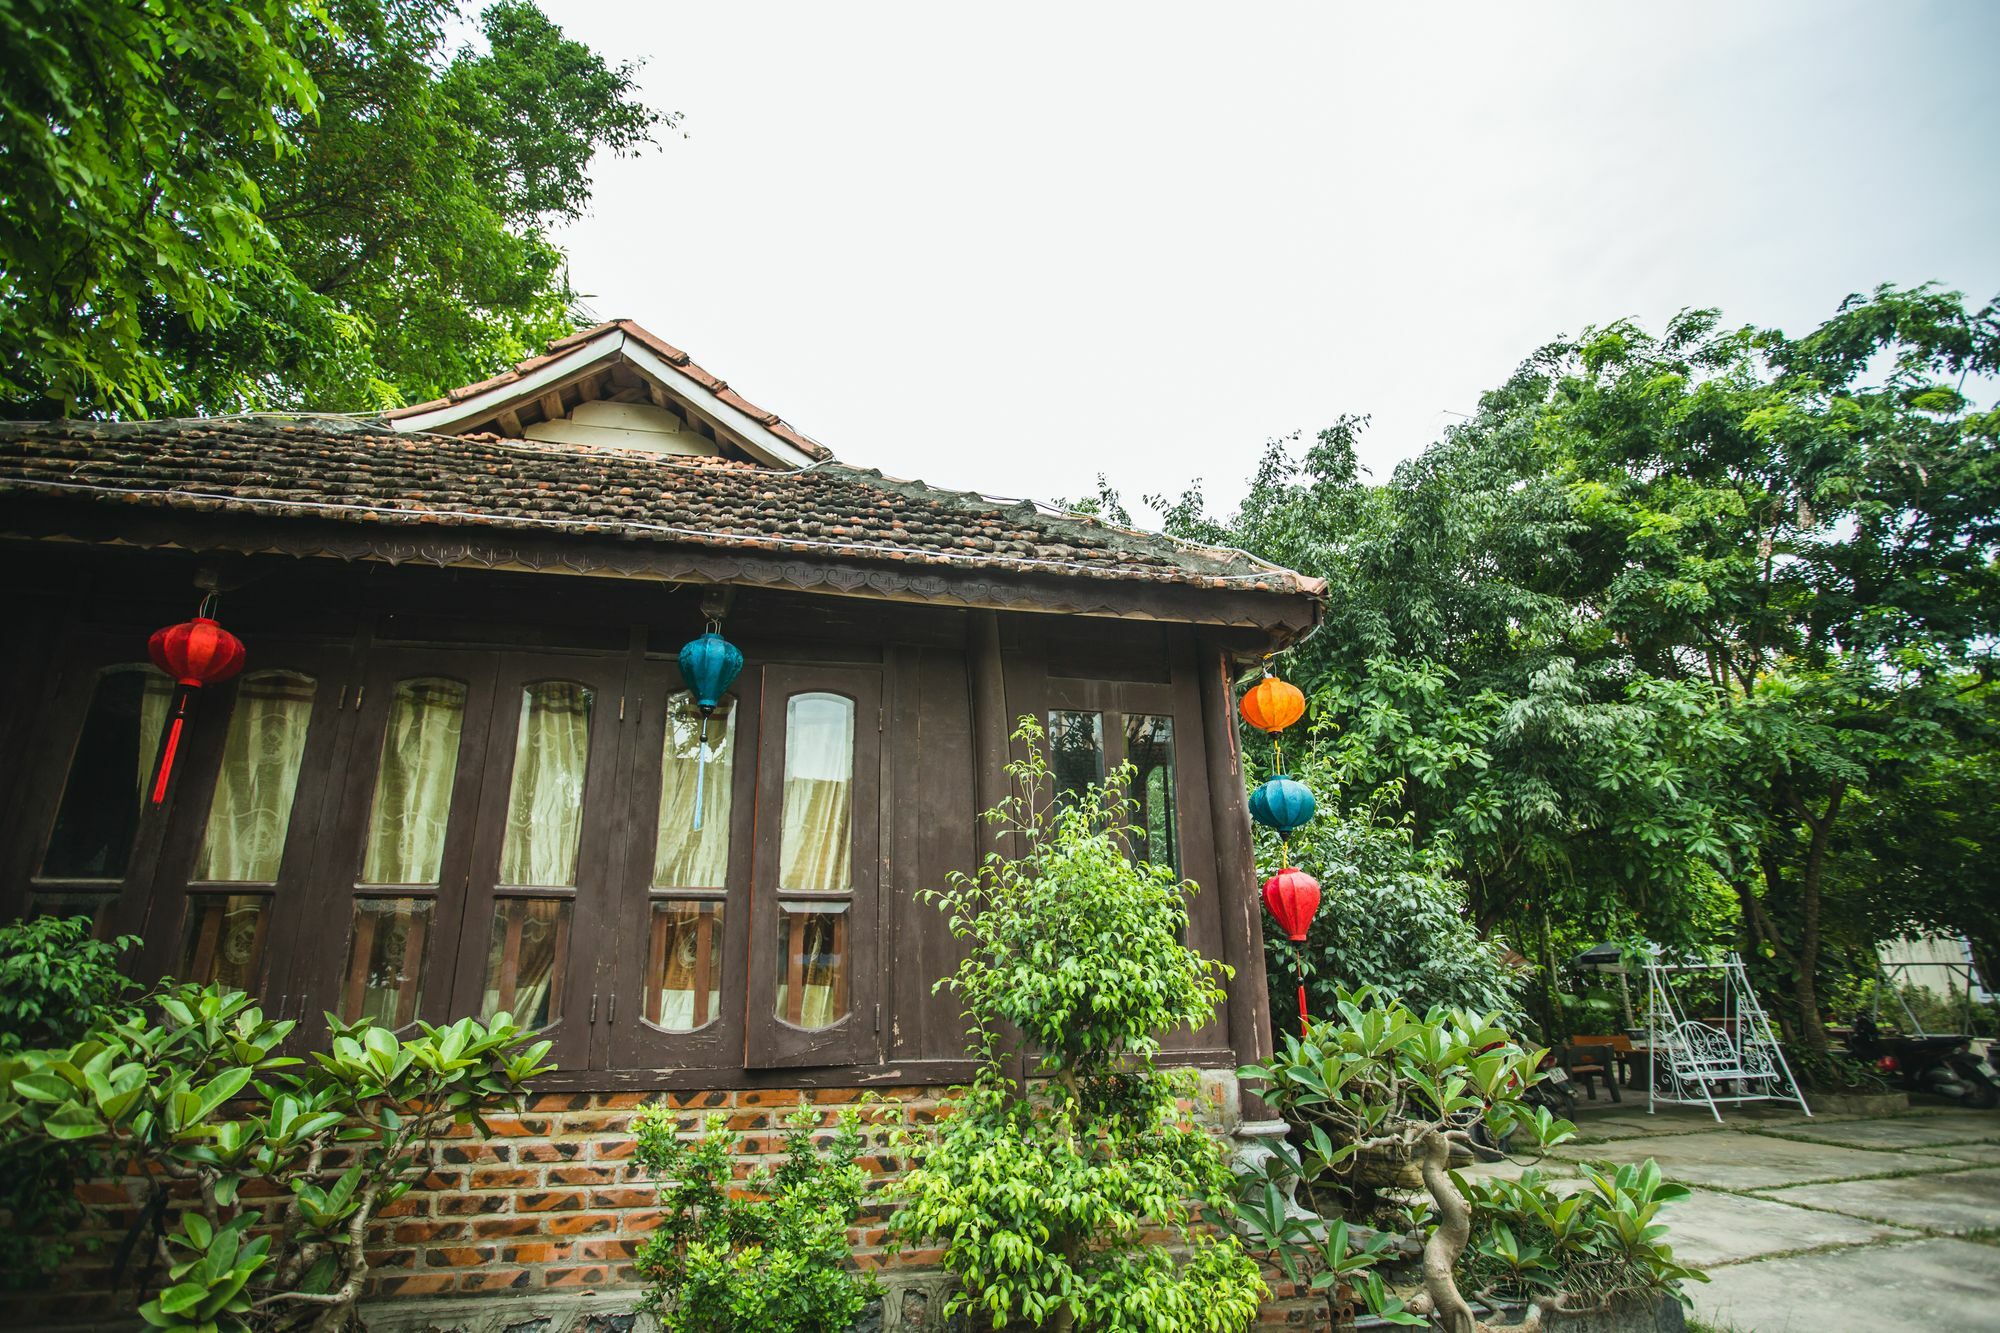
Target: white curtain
<point>687,959</point>
<point>817,851</point>
<point>812,947</point>
<point>545,801</point>
<point>252,805</point>
<point>156,702</point>
<point>525,958</point>
<point>412,806</point>
<point>685,857</point>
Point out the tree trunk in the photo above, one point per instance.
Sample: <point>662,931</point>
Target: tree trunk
<point>1448,1241</point>
<point>1812,1027</point>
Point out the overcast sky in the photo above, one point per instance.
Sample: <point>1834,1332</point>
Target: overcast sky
<point>1009,247</point>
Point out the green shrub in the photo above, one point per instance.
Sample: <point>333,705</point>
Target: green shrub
<point>764,1257</point>
<point>1047,1198</point>
<point>1585,1251</point>
<point>57,982</point>
<point>193,1091</point>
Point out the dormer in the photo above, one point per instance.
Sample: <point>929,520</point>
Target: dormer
<point>617,386</point>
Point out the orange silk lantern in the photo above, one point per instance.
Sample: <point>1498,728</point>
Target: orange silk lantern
<point>1271,705</point>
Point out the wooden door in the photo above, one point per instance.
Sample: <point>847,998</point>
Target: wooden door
<point>395,857</point>
<point>232,902</point>
<point>681,913</point>
<point>539,883</point>
<point>815,989</point>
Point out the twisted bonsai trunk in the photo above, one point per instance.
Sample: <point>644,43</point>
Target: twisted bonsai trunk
<point>1452,1234</point>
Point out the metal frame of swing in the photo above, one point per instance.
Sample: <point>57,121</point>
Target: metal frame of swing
<point>1691,1057</point>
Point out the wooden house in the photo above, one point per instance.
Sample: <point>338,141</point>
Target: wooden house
<point>459,772</point>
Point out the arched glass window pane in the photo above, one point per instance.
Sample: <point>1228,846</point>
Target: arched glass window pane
<point>252,807</point>
<point>812,965</point>
<point>1149,748</point>
<point>686,857</point>
<point>412,805</point>
<point>817,854</point>
<point>684,967</point>
<point>545,800</point>
<point>105,790</point>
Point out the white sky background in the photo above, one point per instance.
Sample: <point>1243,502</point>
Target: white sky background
<point>1011,247</point>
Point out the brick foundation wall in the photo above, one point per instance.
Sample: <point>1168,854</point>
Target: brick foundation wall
<point>548,1212</point>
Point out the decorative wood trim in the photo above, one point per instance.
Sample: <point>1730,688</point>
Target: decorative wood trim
<point>1236,867</point>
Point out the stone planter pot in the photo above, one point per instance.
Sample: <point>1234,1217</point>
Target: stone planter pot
<point>1663,1314</point>
<point>1383,1169</point>
<point>1858,1103</point>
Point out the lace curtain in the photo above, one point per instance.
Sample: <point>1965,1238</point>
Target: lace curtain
<point>819,795</point>
<point>252,805</point>
<point>545,801</point>
<point>686,857</point>
<point>412,807</point>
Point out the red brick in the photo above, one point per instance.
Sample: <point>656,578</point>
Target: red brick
<point>557,1152</point>
<point>548,1201</point>
<point>575,1277</point>
<point>490,1227</point>
<point>418,1233</point>
<point>414,1284</point>
<point>623,1198</point>
<point>460,1205</point>
<point>458,1256</point>
<point>540,1252</point>
<point>585,1175</point>
<point>605,1249</point>
<point>503,1178</point>
<point>493,1279</point>
<point>576,1224</point>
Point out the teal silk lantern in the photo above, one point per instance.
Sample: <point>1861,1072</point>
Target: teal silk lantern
<point>1283,803</point>
<point>709,666</point>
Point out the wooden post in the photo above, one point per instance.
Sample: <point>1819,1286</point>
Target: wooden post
<point>1235,865</point>
<point>992,729</point>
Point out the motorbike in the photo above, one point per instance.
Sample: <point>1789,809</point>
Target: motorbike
<point>1943,1066</point>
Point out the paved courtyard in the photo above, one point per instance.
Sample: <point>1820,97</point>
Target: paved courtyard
<point>1837,1224</point>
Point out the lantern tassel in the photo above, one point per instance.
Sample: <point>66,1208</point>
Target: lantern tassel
<point>183,696</point>
<point>700,769</point>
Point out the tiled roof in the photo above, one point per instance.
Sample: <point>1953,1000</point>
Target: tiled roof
<point>365,472</point>
<point>661,348</point>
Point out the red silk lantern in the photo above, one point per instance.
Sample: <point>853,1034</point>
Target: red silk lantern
<point>1271,705</point>
<point>1293,897</point>
<point>195,653</point>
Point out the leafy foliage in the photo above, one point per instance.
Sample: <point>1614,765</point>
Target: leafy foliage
<point>1588,1250</point>
<point>1045,1198</point>
<point>1376,1076</point>
<point>767,1254</point>
<point>202,1101</point>
<point>225,207</point>
<point>57,982</point>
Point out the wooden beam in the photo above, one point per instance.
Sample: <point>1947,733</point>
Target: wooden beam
<point>552,406</point>
<point>631,393</point>
<point>1235,869</point>
<point>510,423</point>
<point>593,385</point>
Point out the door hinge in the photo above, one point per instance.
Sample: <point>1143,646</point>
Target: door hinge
<point>593,1008</point>
<point>611,1011</point>
<point>878,1016</point>
<point>359,690</point>
<point>341,702</point>
<point>621,708</point>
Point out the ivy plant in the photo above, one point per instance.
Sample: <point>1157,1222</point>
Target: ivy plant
<point>1050,1198</point>
<point>765,1255</point>
<point>265,1170</point>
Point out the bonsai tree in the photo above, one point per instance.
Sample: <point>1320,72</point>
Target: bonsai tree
<point>1050,1199</point>
<point>1376,1075</point>
<point>252,1226</point>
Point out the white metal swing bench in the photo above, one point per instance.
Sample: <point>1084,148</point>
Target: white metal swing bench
<point>1735,1059</point>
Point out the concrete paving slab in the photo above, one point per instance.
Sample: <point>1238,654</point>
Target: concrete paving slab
<point>1904,1131</point>
<point>1984,1154</point>
<point>1709,1228</point>
<point>1952,1201</point>
<point>1923,1284</point>
<point>1735,1160</point>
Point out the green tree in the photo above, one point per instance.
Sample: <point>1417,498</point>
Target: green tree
<point>1047,1199</point>
<point>388,204</point>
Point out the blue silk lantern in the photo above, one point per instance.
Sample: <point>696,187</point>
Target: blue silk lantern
<point>1283,803</point>
<point>709,666</point>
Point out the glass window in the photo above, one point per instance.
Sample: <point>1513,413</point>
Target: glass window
<point>252,806</point>
<point>225,939</point>
<point>412,805</point>
<point>1076,751</point>
<point>385,960</point>
<point>105,790</point>
<point>812,964</point>
<point>524,960</point>
<point>545,800</point>
<point>686,857</point>
<point>1149,748</point>
<point>818,817</point>
<point>96,906</point>
<point>684,964</point>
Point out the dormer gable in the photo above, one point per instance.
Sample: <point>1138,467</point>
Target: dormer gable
<point>615,385</point>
